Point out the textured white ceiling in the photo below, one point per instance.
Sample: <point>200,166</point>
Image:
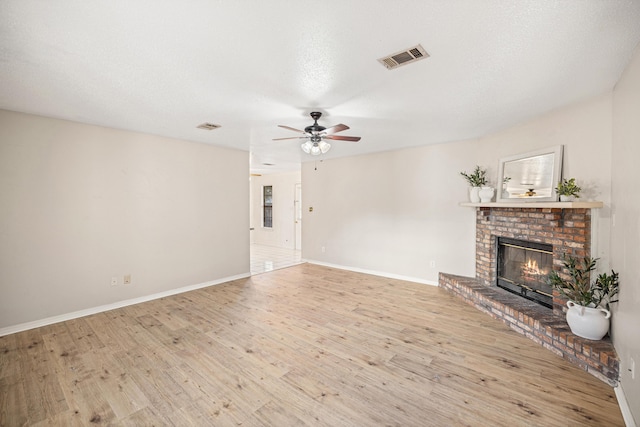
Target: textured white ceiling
<point>163,67</point>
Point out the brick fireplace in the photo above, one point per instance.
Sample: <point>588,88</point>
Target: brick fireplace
<point>568,231</point>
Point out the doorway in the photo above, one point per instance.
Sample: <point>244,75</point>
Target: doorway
<point>297,207</point>
<point>275,243</point>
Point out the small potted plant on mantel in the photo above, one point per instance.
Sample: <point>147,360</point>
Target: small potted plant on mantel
<point>588,314</point>
<point>476,179</point>
<point>568,190</point>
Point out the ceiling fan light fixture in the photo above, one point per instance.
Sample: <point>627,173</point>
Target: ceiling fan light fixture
<point>324,146</point>
<point>315,148</point>
<point>306,147</point>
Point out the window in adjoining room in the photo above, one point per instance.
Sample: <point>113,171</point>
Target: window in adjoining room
<point>267,206</point>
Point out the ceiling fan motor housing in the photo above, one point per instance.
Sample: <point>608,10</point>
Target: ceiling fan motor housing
<point>315,127</point>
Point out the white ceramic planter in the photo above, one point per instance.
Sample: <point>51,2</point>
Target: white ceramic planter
<point>486,194</point>
<point>587,322</point>
<point>474,197</point>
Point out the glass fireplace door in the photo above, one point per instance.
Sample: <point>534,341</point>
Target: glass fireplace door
<point>523,268</point>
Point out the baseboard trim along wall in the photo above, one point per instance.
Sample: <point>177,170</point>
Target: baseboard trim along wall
<point>624,407</point>
<point>94,310</point>
<point>373,272</point>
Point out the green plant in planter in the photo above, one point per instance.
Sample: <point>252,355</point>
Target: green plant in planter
<point>477,178</point>
<point>568,188</point>
<point>579,289</point>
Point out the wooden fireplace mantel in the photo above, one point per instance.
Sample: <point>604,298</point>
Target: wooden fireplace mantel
<point>537,205</point>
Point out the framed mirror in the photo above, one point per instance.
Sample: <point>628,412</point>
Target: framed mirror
<point>530,177</point>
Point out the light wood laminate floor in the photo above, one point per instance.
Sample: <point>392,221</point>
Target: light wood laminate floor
<point>306,345</point>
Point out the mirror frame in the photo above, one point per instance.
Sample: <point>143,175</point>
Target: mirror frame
<point>556,174</point>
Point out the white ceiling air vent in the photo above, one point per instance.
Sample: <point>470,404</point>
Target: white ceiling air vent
<point>208,126</point>
<point>404,57</point>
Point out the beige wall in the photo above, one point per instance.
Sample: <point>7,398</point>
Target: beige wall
<point>282,234</point>
<point>80,204</point>
<point>585,131</point>
<point>625,242</point>
<point>391,212</point>
<point>395,212</point>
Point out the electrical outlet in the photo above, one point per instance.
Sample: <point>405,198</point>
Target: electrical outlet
<point>323,249</point>
<point>114,281</point>
<point>432,264</point>
<point>127,279</point>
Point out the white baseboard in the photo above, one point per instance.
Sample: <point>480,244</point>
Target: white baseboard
<point>94,310</point>
<point>624,407</point>
<point>374,273</point>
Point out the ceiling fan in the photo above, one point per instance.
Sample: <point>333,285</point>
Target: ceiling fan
<point>316,135</point>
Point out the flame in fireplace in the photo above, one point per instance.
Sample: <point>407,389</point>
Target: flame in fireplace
<point>530,269</point>
<point>531,266</point>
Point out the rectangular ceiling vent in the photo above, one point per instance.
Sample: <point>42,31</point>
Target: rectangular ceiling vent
<point>404,57</point>
<point>208,126</point>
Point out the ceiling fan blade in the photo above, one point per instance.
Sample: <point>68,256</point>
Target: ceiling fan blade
<point>335,129</point>
<point>290,128</point>
<point>343,138</point>
<point>291,137</point>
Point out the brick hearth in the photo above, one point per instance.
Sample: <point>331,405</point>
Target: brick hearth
<point>539,324</point>
<point>569,231</point>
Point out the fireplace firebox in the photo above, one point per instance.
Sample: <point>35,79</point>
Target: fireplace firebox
<point>523,268</point>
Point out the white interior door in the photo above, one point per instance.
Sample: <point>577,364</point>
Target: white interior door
<point>297,204</point>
